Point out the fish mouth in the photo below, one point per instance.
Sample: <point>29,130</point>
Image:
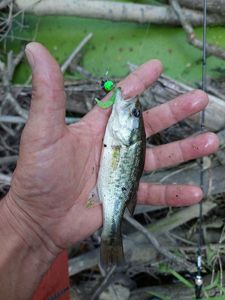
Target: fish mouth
<point>120,99</point>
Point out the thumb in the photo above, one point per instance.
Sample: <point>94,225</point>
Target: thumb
<point>47,110</point>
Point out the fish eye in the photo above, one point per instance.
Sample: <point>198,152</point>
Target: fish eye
<point>136,112</point>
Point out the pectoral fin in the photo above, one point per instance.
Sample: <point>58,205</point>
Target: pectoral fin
<point>93,198</point>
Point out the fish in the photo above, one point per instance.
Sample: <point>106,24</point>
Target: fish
<point>121,166</point>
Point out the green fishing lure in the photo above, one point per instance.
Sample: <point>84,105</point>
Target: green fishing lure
<point>107,86</point>
<point>107,103</point>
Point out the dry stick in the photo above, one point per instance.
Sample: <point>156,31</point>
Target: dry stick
<point>21,120</point>
<point>4,3</point>
<point>16,106</point>
<point>69,60</point>
<point>7,78</point>
<point>8,159</point>
<point>115,11</point>
<point>210,49</point>
<point>156,244</point>
<point>5,179</point>
<point>8,130</point>
<point>8,23</point>
<point>163,90</point>
<point>134,241</point>
<point>104,284</point>
<point>16,61</point>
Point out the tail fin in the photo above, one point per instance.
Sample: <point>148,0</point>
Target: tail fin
<point>111,253</point>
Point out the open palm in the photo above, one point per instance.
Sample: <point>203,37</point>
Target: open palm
<point>58,164</point>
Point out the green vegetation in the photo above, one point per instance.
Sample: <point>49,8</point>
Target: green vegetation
<point>114,44</point>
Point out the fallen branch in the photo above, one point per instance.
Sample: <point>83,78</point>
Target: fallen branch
<point>136,248</point>
<point>104,284</point>
<point>75,52</point>
<point>210,49</point>
<point>215,6</point>
<point>162,250</point>
<point>21,120</point>
<point>114,11</point>
<point>163,90</point>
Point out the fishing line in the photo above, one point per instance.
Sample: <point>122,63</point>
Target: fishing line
<point>198,278</point>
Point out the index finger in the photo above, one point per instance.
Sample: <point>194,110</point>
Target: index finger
<point>141,79</point>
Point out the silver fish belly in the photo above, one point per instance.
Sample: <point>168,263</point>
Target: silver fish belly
<point>121,166</point>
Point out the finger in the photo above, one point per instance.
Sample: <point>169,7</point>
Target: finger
<point>47,111</point>
<point>167,114</point>
<point>169,195</point>
<point>180,151</point>
<point>134,84</point>
<point>141,79</point>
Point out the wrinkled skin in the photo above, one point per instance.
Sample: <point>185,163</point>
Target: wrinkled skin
<point>58,164</point>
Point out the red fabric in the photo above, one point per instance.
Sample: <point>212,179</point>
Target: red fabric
<point>55,284</point>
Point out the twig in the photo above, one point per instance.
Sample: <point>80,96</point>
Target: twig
<point>16,61</point>
<point>214,92</point>
<point>68,61</point>
<point>163,90</point>
<point>4,3</point>
<point>8,159</point>
<point>85,73</point>
<point>104,284</point>
<point>19,120</point>
<point>8,23</point>
<point>115,11</point>
<point>8,130</point>
<point>135,244</point>
<point>16,106</point>
<point>5,179</point>
<point>210,49</point>
<point>7,76</point>
<point>156,244</point>
<point>180,170</point>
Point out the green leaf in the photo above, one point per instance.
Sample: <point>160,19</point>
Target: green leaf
<point>181,279</point>
<point>160,296</point>
<point>215,283</point>
<point>210,255</point>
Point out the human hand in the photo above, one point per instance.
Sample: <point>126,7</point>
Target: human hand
<point>58,164</point>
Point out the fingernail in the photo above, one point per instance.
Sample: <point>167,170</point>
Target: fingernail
<point>30,56</point>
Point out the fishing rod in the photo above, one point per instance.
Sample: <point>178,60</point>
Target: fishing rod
<point>199,278</point>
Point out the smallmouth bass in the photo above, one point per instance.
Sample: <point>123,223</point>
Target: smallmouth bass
<point>121,167</point>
